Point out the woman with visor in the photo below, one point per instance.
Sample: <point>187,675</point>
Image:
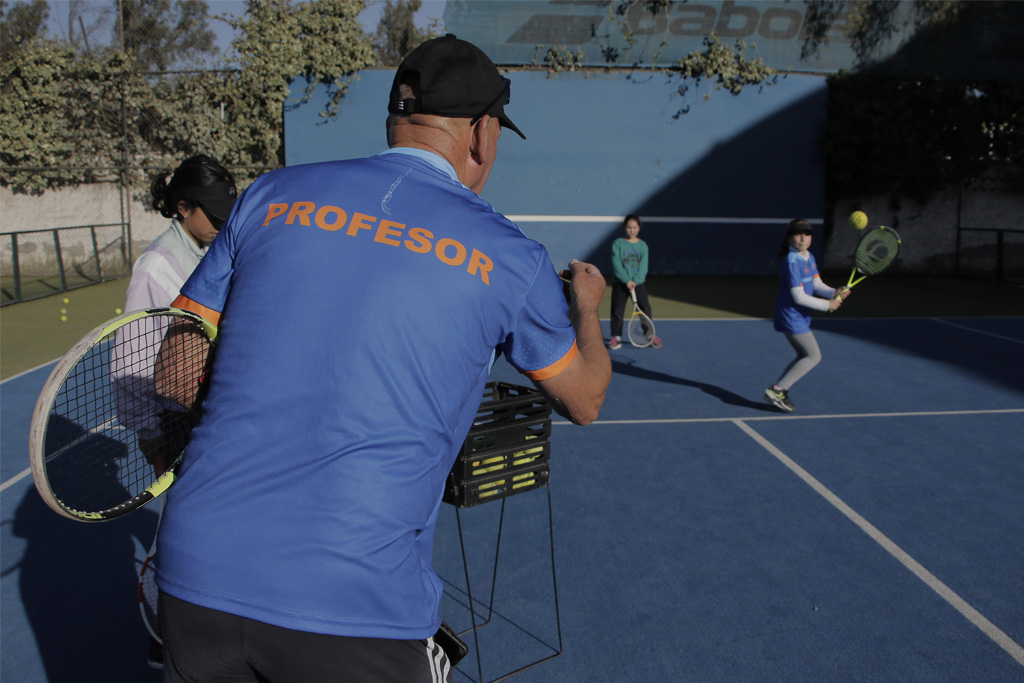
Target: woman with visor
<point>197,197</point>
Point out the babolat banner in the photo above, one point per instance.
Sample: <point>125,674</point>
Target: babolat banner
<point>794,35</point>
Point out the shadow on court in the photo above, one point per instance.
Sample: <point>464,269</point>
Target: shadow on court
<point>724,395</point>
<point>77,585</point>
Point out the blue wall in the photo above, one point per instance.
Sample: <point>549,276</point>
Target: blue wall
<point>715,185</point>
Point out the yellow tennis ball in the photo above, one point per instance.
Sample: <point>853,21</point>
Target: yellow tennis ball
<point>67,300</point>
<point>63,311</point>
<point>118,311</point>
<point>63,318</point>
<point>859,220</point>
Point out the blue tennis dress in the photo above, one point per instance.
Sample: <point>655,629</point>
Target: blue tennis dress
<point>362,305</point>
<point>794,271</point>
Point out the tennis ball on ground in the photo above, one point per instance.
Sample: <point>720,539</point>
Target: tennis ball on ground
<point>859,220</point>
<point>63,311</point>
<point>67,300</point>
<point>118,311</point>
<point>63,318</point>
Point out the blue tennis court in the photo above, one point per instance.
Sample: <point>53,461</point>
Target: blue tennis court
<point>699,535</point>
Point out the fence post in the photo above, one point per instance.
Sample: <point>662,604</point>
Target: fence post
<point>60,261</point>
<point>96,253</point>
<point>17,267</point>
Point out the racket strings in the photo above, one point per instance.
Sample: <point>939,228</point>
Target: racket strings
<point>110,433</point>
<point>148,596</point>
<point>877,251</point>
<point>640,330</point>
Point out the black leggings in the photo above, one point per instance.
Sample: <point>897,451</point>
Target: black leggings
<point>203,645</point>
<point>620,297</point>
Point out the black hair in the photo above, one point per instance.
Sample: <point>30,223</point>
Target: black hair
<point>195,171</point>
<point>797,225</point>
<point>632,217</point>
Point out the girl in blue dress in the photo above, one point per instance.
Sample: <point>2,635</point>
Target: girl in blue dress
<point>800,292</point>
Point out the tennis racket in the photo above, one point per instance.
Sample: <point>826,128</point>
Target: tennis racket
<point>641,328</point>
<point>875,252</point>
<point>117,411</point>
<point>148,593</point>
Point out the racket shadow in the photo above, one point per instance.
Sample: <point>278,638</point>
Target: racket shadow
<point>724,395</point>
<point>77,588</point>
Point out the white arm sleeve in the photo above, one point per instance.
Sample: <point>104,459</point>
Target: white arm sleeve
<point>804,299</point>
<point>821,289</point>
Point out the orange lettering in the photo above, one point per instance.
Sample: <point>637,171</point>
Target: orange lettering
<point>275,210</point>
<point>419,240</point>
<point>480,260</point>
<point>300,210</point>
<point>442,247</point>
<point>360,221</point>
<point>321,218</point>
<point>384,231</point>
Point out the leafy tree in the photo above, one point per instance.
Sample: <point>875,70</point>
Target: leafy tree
<point>909,137</point>
<point>21,24</point>
<point>397,34</point>
<point>161,34</point>
<point>281,44</point>
<point>869,23</point>
<point>726,67</point>
<point>60,115</point>
<point>73,114</point>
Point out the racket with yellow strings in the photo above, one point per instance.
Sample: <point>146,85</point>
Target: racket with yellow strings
<point>116,413</point>
<point>875,252</point>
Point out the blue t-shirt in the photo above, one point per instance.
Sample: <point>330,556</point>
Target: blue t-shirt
<point>362,302</point>
<point>794,271</point>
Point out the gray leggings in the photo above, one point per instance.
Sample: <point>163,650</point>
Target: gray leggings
<point>807,356</point>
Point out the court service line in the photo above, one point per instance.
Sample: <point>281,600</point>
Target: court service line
<point>550,218</point>
<point>25,372</point>
<point>972,329</point>
<point>790,416</point>
<point>15,479</point>
<point>945,592</point>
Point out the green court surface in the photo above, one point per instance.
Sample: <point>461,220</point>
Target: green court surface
<point>31,333</point>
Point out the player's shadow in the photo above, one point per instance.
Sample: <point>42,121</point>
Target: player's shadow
<point>725,396</point>
<point>78,584</point>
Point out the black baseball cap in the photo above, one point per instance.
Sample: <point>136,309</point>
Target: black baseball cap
<point>215,198</point>
<point>452,78</point>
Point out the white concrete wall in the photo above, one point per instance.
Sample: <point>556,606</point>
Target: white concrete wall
<point>83,205</point>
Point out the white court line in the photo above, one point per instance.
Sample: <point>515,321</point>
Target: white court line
<point>550,218</point>
<point>95,430</point>
<point>944,591</point>
<point>971,329</point>
<point>15,479</point>
<point>791,416</point>
<point>24,473</point>
<point>25,372</point>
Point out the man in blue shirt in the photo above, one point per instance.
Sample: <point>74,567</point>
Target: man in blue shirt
<point>361,304</point>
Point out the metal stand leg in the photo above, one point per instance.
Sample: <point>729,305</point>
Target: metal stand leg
<point>494,580</point>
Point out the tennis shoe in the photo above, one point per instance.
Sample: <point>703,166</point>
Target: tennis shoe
<point>614,343</point>
<point>656,342</point>
<point>779,399</point>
